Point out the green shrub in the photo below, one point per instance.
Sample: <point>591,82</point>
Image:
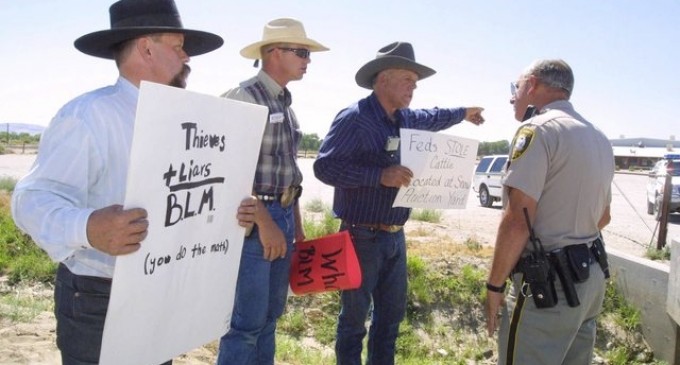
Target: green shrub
<point>7,183</point>
<point>319,227</point>
<point>427,215</point>
<point>23,308</point>
<point>409,344</point>
<point>20,258</point>
<point>289,350</point>
<point>316,206</point>
<point>625,315</point>
<point>662,254</point>
<point>472,245</point>
<point>419,286</point>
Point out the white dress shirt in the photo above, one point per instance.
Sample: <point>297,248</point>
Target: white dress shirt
<point>81,166</point>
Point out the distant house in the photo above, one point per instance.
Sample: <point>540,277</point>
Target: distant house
<point>641,152</point>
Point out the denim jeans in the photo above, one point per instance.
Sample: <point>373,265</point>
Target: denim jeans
<point>382,256</point>
<point>261,293</point>
<point>80,306</point>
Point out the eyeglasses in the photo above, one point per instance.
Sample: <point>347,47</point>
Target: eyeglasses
<point>300,52</point>
<point>514,86</point>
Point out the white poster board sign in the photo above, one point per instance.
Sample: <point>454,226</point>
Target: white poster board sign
<point>442,168</point>
<point>192,162</point>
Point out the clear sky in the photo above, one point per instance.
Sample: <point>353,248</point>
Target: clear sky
<point>624,53</point>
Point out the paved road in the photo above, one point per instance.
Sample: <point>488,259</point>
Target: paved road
<point>632,230</point>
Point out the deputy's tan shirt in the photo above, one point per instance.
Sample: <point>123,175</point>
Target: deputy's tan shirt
<point>567,165</point>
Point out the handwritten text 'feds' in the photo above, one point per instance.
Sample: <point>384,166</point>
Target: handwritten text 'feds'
<point>153,262</point>
<point>192,175</point>
<point>451,147</point>
<point>441,158</point>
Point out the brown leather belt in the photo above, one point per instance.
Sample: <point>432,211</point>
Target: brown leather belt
<point>381,227</point>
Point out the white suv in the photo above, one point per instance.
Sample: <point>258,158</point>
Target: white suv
<point>657,178</point>
<point>487,179</point>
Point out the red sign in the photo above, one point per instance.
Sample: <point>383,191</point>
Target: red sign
<point>325,264</point>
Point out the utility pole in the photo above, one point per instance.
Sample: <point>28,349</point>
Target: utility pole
<point>663,210</point>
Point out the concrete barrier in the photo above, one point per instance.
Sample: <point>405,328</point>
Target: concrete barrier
<point>645,285</point>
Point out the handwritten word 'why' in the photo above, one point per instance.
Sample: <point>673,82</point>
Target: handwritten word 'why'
<point>330,273</point>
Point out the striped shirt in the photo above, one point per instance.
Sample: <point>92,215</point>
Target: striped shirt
<point>353,155</point>
<point>81,166</point>
<point>277,166</point>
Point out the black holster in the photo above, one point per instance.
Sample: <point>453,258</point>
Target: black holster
<point>600,256</point>
<point>560,261</point>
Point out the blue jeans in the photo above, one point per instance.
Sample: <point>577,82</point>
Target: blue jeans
<point>261,293</point>
<point>382,256</point>
<point>80,306</point>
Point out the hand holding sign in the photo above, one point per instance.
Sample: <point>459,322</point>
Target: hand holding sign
<point>396,176</point>
<point>442,168</point>
<point>246,212</point>
<point>117,231</point>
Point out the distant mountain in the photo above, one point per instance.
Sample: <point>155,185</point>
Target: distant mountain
<point>19,128</point>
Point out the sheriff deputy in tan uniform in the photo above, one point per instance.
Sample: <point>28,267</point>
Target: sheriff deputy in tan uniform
<point>559,182</point>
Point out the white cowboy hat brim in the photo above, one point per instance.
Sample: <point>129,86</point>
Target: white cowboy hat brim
<point>253,51</point>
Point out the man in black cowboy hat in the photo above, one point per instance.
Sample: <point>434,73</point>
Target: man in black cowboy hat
<point>360,157</point>
<point>70,202</point>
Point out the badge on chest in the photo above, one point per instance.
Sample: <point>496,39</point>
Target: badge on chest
<point>275,118</point>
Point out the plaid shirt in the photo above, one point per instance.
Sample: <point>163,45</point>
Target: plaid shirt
<point>277,166</point>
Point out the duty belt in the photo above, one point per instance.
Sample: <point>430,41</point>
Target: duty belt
<point>519,268</point>
<point>569,264</point>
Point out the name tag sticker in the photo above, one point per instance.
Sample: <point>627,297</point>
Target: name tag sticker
<point>276,118</point>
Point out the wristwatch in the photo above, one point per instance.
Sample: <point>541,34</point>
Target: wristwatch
<point>496,289</point>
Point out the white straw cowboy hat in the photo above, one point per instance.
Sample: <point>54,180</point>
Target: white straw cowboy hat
<point>395,55</point>
<point>284,30</point>
<point>134,18</point>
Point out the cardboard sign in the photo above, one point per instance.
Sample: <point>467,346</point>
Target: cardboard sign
<point>442,168</point>
<point>177,292</point>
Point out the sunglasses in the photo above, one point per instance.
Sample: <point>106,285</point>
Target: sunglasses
<point>300,52</point>
<point>514,86</point>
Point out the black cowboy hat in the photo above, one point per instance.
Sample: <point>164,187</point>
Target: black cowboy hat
<point>134,18</point>
<point>394,55</point>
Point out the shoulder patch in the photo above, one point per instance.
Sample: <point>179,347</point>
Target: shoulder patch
<point>521,142</point>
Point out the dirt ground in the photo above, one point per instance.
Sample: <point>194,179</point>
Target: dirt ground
<point>631,231</point>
